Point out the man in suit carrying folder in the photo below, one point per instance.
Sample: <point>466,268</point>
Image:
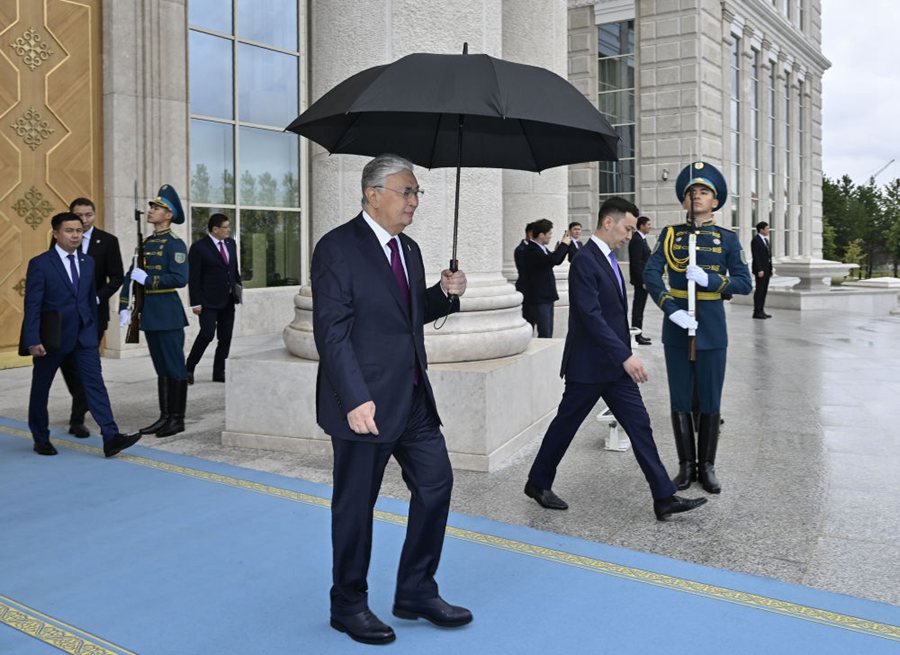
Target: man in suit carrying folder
<point>60,284</point>
<point>213,279</point>
<point>103,248</point>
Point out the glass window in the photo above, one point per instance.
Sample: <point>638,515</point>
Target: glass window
<point>270,248</point>
<point>211,76</point>
<point>212,162</point>
<point>273,22</point>
<point>267,92</point>
<point>616,102</point>
<point>270,163</point>
<point>212,15</point>
<point>243,92</point>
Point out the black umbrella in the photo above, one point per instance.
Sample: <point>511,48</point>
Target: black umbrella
<point>460,110</point>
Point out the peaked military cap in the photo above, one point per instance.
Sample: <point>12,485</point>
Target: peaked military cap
<point>168,197</point>
<point>699,172</point>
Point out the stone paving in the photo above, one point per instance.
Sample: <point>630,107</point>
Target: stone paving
<point>809,458</point>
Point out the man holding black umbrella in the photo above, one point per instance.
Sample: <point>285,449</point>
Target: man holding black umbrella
<point>370,304</point>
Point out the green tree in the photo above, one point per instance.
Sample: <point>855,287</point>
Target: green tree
<point>200,184</point>
<point>853,254</point>
<point>892,221</point>
<point>268,190</point>
<point>248,188</point>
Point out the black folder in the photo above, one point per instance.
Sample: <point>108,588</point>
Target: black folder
<point>50,332</point>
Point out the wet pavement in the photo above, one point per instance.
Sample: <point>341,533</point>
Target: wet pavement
<point>809,457</point>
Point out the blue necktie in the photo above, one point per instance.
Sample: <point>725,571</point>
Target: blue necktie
<point>615,267</point>
<point>74,270</point>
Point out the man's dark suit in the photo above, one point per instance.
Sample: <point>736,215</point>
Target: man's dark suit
<point>538,285</point>
<point>210,285</point>
<point>638,254</point>
<point>574,247</point>
<point>103,248</point>
<point>48,287</point>
<point>762,263</point>
<point>597,344</point>
<point>372,349</point>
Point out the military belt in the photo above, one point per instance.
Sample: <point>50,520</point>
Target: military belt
<point>701,295</point>
<point>176,290</point>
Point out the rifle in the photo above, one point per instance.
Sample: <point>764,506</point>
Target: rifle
<point>691,285</point>
<point>133,334</point>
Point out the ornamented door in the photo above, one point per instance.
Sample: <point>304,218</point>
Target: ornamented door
<point>50,135</point>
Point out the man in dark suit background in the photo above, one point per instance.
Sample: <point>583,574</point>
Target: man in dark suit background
<point>638,254</point>
<point>598,362</point>
<point>213,275</point>
<point>370,304</point>
<point>536,281</point>
<point>61,281</point>
<point>762,268</point>
<point>103,248</point>
<point>575,234</point>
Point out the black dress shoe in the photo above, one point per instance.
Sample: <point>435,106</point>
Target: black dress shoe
<point>364,627</point>
<point>760,316</point>
<point>79,430</point>
<point>436,610</point>
<point>545,497</point>
<point>674,505</point>
<point>218,377</point>
<point>190,377</point>
<point>642,340</point>
<point>119,443</point>
<point>44,448</point>
<point>767,315</point>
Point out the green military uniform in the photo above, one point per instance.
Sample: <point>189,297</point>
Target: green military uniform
<point>719,254</point>
<point>162,317</point>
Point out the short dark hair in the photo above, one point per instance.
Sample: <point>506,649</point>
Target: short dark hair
<point>617,207</point>
<point>528,229</point>
<point>216,220</point>
<point>762,225</point>
<point>642,220</point>
<point>81,201</point>
<point>573,224</point>
<point>541,226</point>
<point>64,217</point>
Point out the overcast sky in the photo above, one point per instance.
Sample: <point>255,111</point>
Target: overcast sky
<point>861,97</point>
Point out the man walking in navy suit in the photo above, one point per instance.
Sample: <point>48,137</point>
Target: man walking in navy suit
<point>374,399</point>
<point>103,248</point>
<point>598,362</point>
<point>60,282</point>
<point>213,278</point>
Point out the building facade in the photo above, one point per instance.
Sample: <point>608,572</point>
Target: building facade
<point>196,93</point>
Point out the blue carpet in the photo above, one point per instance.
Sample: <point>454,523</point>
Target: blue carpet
<point>161,554</point>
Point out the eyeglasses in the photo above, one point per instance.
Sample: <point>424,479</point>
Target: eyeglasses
<point>406,193</point>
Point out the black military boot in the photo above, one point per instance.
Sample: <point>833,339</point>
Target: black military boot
<point>162,387</point>
<point>707,442</point>
<point>687,453</point>
<point>177,403</point>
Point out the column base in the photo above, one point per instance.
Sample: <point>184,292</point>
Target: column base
<point>491,408</point>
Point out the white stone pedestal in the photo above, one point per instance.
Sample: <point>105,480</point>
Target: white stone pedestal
<point>491,408</point>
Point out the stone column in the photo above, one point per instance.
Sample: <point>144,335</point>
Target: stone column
<point>145,121</point>
<point>490,323</point>
<point>490,379</point>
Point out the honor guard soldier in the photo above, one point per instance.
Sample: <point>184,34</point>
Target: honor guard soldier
<point>162,318</point>
<point>721,269</point>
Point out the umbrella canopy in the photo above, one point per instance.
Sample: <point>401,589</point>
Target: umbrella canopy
<point>513,115</point>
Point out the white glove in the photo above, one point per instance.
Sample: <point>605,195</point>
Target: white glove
<point>139,275</point>
<point>698,275</point>
<point>124,317</point>
<point>684,320</point>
